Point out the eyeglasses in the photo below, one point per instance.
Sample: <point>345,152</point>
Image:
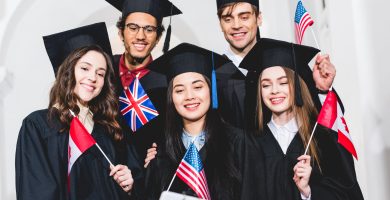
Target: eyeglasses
<point>148,29</point>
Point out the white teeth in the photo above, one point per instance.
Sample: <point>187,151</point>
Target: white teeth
<point>238,34</point>
<point>277,99</point>
<point>191,105</point>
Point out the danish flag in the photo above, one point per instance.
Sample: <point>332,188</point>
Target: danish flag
<point>135,106</point>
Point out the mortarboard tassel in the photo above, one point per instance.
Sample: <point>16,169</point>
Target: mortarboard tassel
<point>168,35</point>
<point>214,85</point>
<point>167,39</point>
<point>297,85</point>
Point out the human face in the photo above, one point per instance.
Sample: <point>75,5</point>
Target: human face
<point>191,96</point>
<point>240,27</point>
<point>139,45</point>
<point>89,73</point>
<point>275,91</point>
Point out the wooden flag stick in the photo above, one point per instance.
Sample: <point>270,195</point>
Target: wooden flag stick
<point>311,137</point>
<point>315,38</point>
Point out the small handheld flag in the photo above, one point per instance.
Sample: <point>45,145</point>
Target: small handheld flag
<point>135,106</point>
<point>332,117</point>
<point>302,21</point>
<point>191,171</point>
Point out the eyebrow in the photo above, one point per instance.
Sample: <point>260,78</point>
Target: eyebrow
<point>100,68</point>
<point>239,14</point>
<point>267,79</point>
<point>193,82</point>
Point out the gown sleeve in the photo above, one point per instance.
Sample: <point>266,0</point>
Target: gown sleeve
<point>34,176</point>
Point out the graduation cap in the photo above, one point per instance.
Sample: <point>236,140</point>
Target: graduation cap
<point>190,58</point>
<point>268,53</point>
<point>60,45</point>
<point>221,3</point>
<point>157,8</point>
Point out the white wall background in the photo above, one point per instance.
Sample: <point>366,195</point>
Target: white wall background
<point>354,32</point>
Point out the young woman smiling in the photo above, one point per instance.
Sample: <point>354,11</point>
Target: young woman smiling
<point>84,86</point>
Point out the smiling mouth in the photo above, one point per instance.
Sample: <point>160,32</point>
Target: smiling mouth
<point>191,106</point>
<point>238,35</point>
<point>277,100</point>
<point>88,87</point>
<point>140,46</point>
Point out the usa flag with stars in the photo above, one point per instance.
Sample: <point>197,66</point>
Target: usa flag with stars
<point>302,21</point>
<point>191,171</point>
<point>135,106</point>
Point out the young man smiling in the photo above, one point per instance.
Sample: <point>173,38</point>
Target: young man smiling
<point>140,28</point>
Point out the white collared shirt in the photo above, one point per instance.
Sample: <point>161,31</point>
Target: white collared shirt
<point>284,134</point>
<point>236,59</point>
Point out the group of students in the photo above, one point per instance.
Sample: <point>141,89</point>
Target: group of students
<point>248,112</point>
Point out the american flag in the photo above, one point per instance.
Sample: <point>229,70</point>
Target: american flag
<point>191,171</point>
<point>135,106</point>
<point>302,21</point>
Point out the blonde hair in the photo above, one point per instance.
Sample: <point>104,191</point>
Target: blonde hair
<point>305,115</point>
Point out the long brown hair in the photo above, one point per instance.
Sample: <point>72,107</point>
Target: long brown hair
<point>305,115</point>
<point>104,106</point>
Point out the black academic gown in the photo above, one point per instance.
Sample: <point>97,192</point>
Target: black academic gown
<point>221,186</point>
<point>42,162</point>
<point>231,94</point>
<point>278,172</point>
<point>155,86</point>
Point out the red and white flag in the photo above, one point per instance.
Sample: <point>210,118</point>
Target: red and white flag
<point>331,116</point>
<point>79,141</point>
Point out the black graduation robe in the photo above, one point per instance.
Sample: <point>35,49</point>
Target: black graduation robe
<point>42,163</point>
<point>155,86</point>
<point>278,172</point>
<point>237,96</point>
<point>221,186</point>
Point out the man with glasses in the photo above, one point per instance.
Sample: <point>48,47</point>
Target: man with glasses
<point>140,28</point>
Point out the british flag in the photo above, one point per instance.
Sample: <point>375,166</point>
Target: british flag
<point>302,21</point>
<point>135,106</point>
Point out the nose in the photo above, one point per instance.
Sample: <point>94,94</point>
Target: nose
<point>236,23</point>
<point>140,34</point>
<point>92,76</point>
<point>189,95</point>
<point>275,89</point>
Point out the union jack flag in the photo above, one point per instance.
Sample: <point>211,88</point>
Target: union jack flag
<point>191,171</point>
<point>135,106</point>
<point>302,21</point>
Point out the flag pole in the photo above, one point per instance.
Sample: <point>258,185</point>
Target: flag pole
<point>315,38</point>
<point>97,145</point>
<point>315,126</point>
<point>174,176</point>
<point>311,137</point>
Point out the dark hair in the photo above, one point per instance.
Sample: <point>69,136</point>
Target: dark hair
<point>62,97</point>
<point>121,23</point>
<point>231,8</point>
<point>218,161</point>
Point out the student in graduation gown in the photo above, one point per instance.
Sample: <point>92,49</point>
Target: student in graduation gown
<point>81,59</point>
<point>140,28</point>
<point>190,117</point>
<point>286,115</point>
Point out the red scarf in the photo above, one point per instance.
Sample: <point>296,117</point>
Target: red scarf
<point>127,76</point>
